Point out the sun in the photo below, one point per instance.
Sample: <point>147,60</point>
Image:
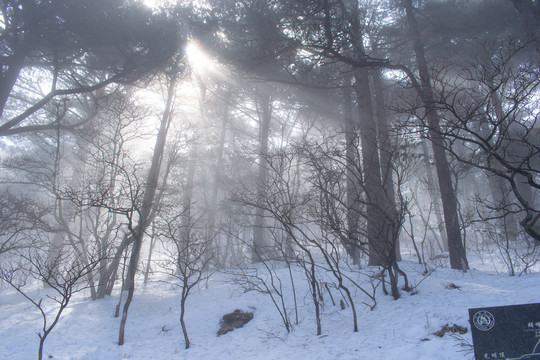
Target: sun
<point>200,61</point>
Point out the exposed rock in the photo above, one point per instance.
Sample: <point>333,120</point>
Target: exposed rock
<point>450,329</point>
<point>234,320</point>
<point>452,286</point>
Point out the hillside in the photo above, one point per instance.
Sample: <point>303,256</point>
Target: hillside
<point>401,329</point>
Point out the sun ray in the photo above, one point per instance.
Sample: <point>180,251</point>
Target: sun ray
<point>200,61</point>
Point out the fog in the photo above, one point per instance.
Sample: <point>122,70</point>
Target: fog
<point>187,138</point>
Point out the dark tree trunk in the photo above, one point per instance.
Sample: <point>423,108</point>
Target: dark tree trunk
<point>378,226</point>
<point>435,197</point>
<point>354,175</point>
<point>265,116</point>
<point>6,85</point>
<point>217,180</point>
<point>386,153</point>
<point>147,204</point>
<point>182,313</point>
<point>458,259</point>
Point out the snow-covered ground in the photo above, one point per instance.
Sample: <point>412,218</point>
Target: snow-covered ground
<point>401,329</point>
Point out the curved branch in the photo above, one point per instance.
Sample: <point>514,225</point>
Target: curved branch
<point>8,128</point>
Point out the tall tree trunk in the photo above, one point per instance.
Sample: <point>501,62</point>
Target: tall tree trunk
<point>377,206</point>
<point>107,271</point>
<point>57,243</point>
<point>458,259</point>
<point>217,177</point>
<point>354,175</point>
<point>147,203</point>
<point>386,150</point>
<point>150,252</point>
<point>380,224</point>
<point>265,116</point>
<point>434,195</point>
<point>15,62</point>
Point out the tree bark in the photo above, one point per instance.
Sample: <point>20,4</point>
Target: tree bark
<point>147,203</point>
<point>458,259</point>
<point>386,153</point>
<point>434,195</point>
<point>182,313</point>
<point>354,176</point>
<point>265,116</point>
<point>217,178</point>
<point>378,226</point>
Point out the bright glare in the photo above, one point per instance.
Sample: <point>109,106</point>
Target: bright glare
<point>153,4</point>
<point>199,60</point>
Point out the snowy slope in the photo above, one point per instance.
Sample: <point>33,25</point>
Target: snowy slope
<point>399,329</point>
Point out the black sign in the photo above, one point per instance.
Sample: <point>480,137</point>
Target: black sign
<point>506,332</point>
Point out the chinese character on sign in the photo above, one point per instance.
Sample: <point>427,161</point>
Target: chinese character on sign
<point>506,332</point>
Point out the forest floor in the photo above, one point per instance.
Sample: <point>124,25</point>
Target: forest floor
<point>395,329</point>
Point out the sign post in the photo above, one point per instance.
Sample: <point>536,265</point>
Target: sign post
<point>506,332</point>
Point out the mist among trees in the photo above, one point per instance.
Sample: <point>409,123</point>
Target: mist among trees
<point>186,138</point>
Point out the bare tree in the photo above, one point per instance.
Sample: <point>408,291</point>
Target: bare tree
<point>21,219</point>
<point>308,216</point>
<point>187,260</point>
<point>148,204</point>
<point>62,275</point>
<point>490,112</point>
